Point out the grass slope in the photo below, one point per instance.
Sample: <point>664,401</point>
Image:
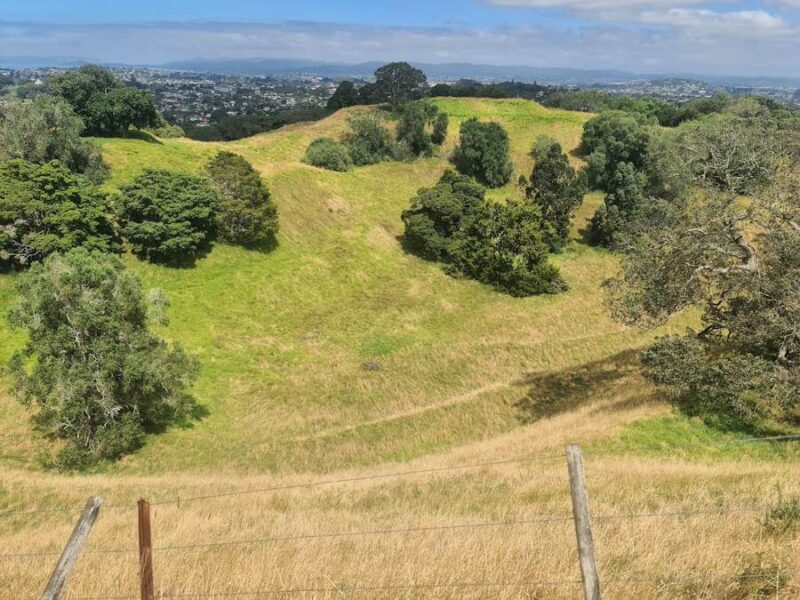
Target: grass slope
<point>283,335</point>
<point>467,375</point>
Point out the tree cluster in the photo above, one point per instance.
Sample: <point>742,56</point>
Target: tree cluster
<point>502,245</point>
<point>45,129</point>
<point>700,242</point>
<point>104,103</point>
<point>369,141</point>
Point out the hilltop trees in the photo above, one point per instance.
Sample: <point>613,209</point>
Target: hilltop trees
<point>103,102</point>
<point>44,129</point>
<point>555,188</point>
<point>168,217</point>
<point>96,375</point>
<point>399,82</point>
<point>345,95</point>
<point>46,209</point>
<point>245,214</point>
<point>420,126</point>
<point>482,153</point>
<point>502,245</point>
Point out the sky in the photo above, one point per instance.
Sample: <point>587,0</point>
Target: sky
<point>725,37</point>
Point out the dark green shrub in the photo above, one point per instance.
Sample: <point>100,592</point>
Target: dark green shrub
<point>556,189</point>
<point>327,153</point>
<point>482,153</point>
<point>502,245</point>
<point>168,217</point>
<point>623,204</point>
<point>440,126</point>
<point>46,209</point>
<point>246,215</point>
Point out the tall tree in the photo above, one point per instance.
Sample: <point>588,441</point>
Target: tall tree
<point>399,82</point>
<point>556,188</point>
<point>44,129</point>
<point>611,138</point>
<point>483,153</point>
<point>246,214</point>
<point>103,102</point>
<point>738,260</point>
<point>91,368</point>
<point>345,95</point>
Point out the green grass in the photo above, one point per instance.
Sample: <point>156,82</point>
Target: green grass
<point>690,438</point>
<point>283,336</point>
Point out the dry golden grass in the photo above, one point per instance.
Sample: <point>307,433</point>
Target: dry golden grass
<point>697,550</point>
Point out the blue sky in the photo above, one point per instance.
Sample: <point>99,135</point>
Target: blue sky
<point>651,36</point>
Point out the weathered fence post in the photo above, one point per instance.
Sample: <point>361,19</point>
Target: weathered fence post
<point>583,525</point>
<point>72,550</point>
<point>145,552</point>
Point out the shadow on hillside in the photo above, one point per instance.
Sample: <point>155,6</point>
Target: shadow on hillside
<point>551,394</point>
<point>265,247</point>
<point>197,412</point>
<point>136,134</point>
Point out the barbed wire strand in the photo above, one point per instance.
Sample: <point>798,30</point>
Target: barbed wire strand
<point>589,452</point>
<point>323,482</point>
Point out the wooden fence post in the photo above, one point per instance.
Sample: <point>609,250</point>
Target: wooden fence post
<point>72,550</point>
<point>583,525</point>
<point>145,552</point>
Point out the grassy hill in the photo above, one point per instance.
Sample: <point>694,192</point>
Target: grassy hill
<point>466,375</point>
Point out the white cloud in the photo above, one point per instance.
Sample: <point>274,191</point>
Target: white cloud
<point>731,24</point>
<point>689,41</point>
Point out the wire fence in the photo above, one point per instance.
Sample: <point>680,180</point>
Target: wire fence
<point>539,520</point>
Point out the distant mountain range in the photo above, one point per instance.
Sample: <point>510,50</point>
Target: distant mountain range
<point>277,67</point>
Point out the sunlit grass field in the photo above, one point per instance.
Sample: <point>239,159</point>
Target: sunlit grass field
<point>465,374</point>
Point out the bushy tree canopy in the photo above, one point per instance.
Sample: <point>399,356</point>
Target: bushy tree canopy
<point>623,205</point>
<point>413,128</point>
<point>168,217</point>
<point>44,129</point>
<point>246,215</point>
<point>345,95</point>
<point>502,245</point>
<point>46,209</point>
<point>556,189</point>
<point>611,138</point>
<point>437,214</point>
<point>327,153</point>
<point>482,153</point>
<point>91,369</point>
<point>369,141</point>
<point>738,259</point>
<point>440,126</point>
<point>399,82</point>
<point>103,102</point>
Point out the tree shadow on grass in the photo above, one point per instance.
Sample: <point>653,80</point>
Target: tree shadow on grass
<point>137,134</point>
<point>551,394</point>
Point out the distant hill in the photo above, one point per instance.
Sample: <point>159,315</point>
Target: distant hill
<point>444,71</point>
